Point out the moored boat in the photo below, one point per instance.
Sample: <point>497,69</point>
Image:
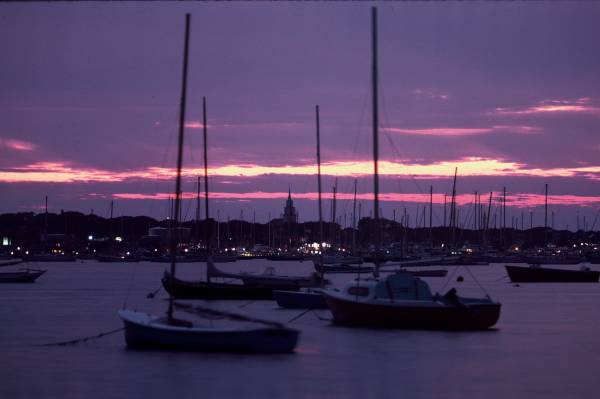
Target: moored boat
<point>189,289</point>
<point>305,298</point>
<point>144,331</point>
<point>22,276</point>
<point>537,274</point>
<point>404,301</point>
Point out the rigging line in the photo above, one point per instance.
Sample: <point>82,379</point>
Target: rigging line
<point>298,316</point>
<point>83,339</point>
<point>153,293</point>
<point>477,281</point>
<point>449,278</point>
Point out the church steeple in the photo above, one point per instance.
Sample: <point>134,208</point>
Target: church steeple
<point>290,215</point>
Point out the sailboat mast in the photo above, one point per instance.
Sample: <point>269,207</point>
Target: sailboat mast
<point>205,144</point>
<point>453,216</point>
<point>375,76</point>
<point>174,232</point>
<point>354,221</point>
<point>198,184</point>
<point>319,188</point>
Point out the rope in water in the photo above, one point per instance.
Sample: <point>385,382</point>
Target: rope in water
<point>84,339</point>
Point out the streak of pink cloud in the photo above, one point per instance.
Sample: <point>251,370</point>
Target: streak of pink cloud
<point>18,145</point>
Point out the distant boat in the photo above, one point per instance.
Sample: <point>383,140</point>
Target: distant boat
<point>49,258</point>
<point>536,274</point>
<point>23,276</point>
<point>342,268</point>
<point>285,257</point>
<point>168,332</point>
<point>402,300</point>
<point>198,289</point>
<point>10,262</point>
<point>117,258</point>
<point>251,286</point>
<point>341,259</point>
<point>305,298</point>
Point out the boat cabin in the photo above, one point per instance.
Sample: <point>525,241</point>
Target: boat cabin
<point>400,286</point>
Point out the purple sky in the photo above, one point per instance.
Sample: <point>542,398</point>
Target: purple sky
<point>508,92</point>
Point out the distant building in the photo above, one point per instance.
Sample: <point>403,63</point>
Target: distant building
<point>290,215</point>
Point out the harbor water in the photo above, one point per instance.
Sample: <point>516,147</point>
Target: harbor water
<point>546,344</point>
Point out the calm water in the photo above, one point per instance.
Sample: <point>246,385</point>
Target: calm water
<point>546,345</point>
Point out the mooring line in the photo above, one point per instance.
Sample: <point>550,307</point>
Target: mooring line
<point>321,318</point>
<point>298,316</point>
<point>153,293</point>
<point>84,339</point>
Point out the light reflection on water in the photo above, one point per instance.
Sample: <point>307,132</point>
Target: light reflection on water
<point>546,344</point>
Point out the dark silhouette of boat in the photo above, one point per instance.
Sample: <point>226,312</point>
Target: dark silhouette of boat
<point>305,298</point>
<point>144,331</point>
<point>10,262</point>
<point>536,274</point>
<point>186,289</point>
<point>404,301</point>
<point>49,258</point>
<point>285,257</point>
<point>22,276</point>
<point>104,258</point>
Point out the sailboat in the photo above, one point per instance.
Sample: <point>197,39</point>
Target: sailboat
<point>401,300</point>
<point>248,286</point>
<point>168,332</point>
<point>308,298</point>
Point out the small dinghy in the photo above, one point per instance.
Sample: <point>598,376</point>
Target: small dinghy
<point>537,274</point>
<point>22,276</point>
<point>144,331</point>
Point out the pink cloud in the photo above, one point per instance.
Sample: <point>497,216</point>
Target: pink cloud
<point>56,172</point>
<point>18,145</point>
<point>458,132</point>
<point>579,105</point>
<point>443,131</point>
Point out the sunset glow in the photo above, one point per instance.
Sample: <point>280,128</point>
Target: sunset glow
<point>62,173</point>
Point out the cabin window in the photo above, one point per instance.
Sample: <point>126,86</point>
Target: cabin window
<point>359,291</point>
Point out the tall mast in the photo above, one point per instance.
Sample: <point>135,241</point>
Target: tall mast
<point>321,238</point>
<point>546,216</point>
<point>431,216</point>
<point>375,139</point>
<point>46,219</point>
<point>198,210</point>
<point>453,208</point>
<point>175,232</point>
<point>205,144</point>
<point>354,221</point>
<point>546,209</point>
